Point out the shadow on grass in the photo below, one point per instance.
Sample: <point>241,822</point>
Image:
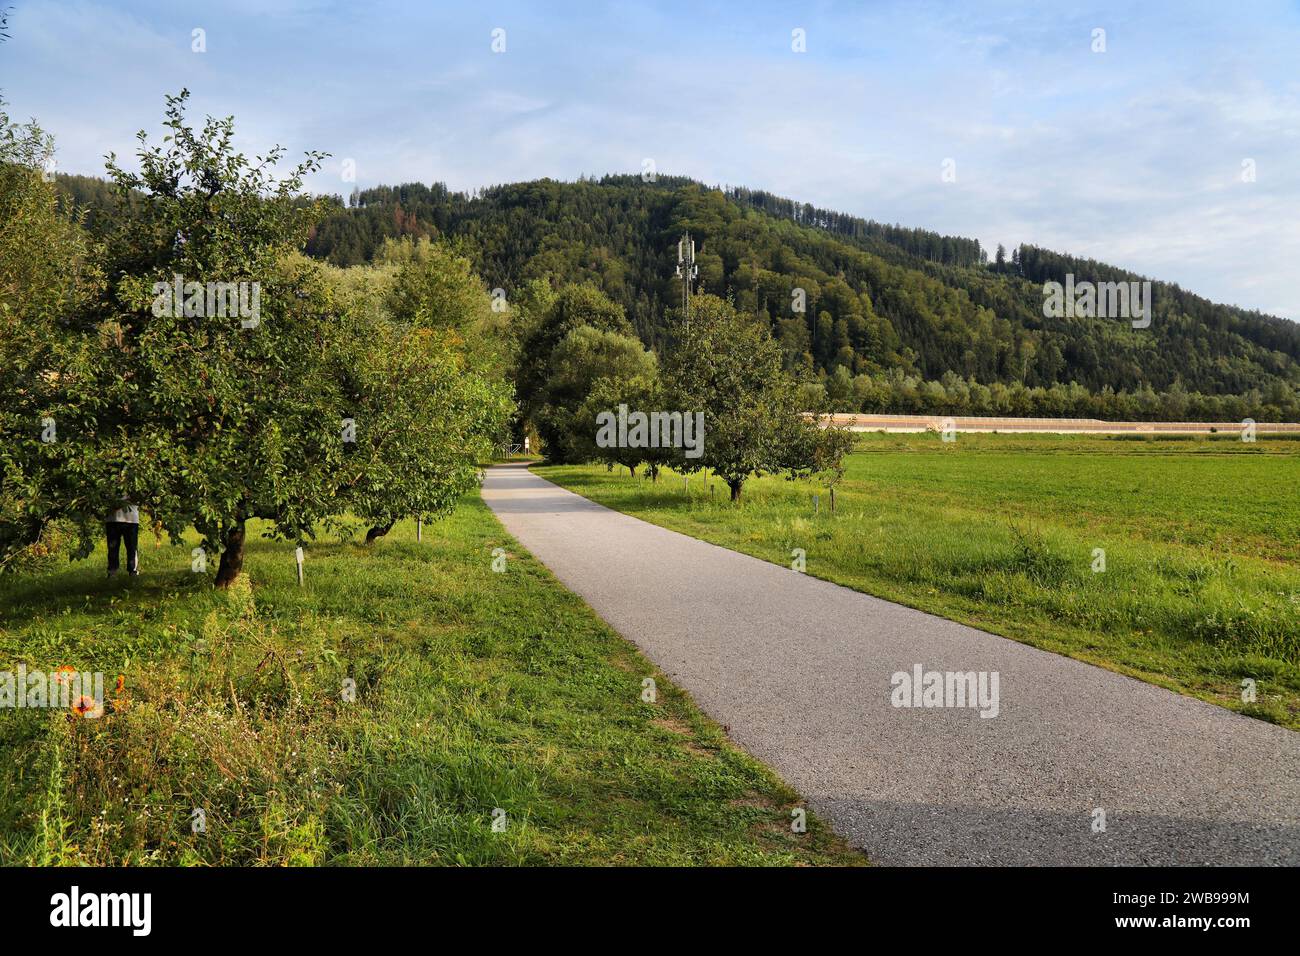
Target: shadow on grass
<point>84,587</point>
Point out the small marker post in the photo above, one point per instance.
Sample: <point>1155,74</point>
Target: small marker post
<point>817,504</point>
<point>419,529</point>
<point>297,556</point>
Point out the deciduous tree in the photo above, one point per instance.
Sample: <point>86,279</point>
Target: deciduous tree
<point>729,367</point>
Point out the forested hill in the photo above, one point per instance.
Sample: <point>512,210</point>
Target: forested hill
<point>895,318</point>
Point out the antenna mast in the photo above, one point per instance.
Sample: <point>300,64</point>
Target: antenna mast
<point>687,270</point>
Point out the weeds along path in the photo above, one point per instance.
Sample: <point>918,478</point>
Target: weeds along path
<point>1056,762</point>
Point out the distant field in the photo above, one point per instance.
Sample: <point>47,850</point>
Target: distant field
<point>475,691</point>
<point>1201,587</point>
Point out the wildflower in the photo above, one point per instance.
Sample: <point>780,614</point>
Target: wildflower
<point>88,707</point>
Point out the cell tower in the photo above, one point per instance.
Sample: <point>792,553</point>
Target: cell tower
<point>687,270</point>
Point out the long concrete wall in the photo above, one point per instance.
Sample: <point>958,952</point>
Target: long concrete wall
<point>1055,426</point>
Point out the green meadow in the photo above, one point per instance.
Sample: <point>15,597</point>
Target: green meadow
<point>387,712</point>
<point>1176,561</point>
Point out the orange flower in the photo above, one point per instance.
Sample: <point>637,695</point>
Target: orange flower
<point>87,707</point>
<point>65,674</point>
<point>120,686</point>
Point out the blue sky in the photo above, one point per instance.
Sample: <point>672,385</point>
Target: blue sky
<point>1133,155</point>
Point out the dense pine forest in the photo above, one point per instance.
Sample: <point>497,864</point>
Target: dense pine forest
<point>892,319</point>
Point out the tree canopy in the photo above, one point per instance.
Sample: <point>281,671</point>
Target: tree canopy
<point>216,375</point>
<point>728,367</point>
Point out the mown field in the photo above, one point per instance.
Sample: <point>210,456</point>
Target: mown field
<point>475,691</point>
<point>1201,541</point>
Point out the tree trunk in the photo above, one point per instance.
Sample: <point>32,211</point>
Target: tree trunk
<point>654,474</point>
<point>232,557</point>
<point>378,531</point>
<point>735,487</point>
<point>631,470</point>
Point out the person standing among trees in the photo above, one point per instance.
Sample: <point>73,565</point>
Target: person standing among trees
<point>123,526</point>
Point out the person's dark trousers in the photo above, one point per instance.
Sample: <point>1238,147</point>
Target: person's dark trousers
<point>123,532</point>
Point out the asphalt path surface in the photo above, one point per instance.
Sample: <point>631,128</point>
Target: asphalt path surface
<point>802,674</point>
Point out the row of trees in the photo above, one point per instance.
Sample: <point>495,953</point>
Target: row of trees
<point>318,391</point>
<point>896,392</point>
<point>579,360</point>
<point>373,392</point>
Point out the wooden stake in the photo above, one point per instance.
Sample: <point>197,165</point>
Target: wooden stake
<point>297,554</point>
<point>419,529</point>
<point>832,499</point>
<point>817,504</point>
